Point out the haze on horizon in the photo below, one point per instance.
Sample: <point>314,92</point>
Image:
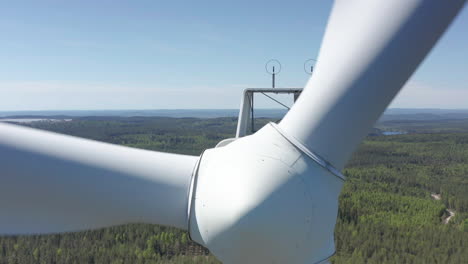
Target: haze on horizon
<point>59,55</point>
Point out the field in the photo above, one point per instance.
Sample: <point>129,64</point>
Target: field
<point>394,208</point>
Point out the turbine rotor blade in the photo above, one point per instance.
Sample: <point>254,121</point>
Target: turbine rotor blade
<point>369,51</point>
<point>56,183</point>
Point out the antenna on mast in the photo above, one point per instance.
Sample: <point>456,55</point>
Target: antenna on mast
<point>309,66</point>
<point>275,67</point>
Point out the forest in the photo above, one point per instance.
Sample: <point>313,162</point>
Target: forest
<point>395,206</point>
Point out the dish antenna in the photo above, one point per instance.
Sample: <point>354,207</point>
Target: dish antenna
<point>271,197</point>
<point>273,67</point>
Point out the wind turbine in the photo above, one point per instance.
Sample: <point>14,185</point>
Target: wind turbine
<point>271,197</point>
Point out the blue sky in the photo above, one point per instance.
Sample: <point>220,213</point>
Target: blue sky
<point>79,55</point>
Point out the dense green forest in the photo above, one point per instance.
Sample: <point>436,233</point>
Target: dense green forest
<point>386,214</point>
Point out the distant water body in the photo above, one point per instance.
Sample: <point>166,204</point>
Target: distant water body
<point>32,120</point>
<point>393,133</point>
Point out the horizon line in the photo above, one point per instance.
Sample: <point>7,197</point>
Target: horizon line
<point>209,109</point>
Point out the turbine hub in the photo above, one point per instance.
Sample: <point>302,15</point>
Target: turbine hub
<point>261,199</point>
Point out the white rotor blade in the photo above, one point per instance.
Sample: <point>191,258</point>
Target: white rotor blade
<point>56,183</point>
<point>369,50</point>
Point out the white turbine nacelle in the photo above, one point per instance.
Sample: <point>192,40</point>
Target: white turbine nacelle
<point>265,199</point>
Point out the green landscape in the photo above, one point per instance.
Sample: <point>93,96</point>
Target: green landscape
<point>405,199</point>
